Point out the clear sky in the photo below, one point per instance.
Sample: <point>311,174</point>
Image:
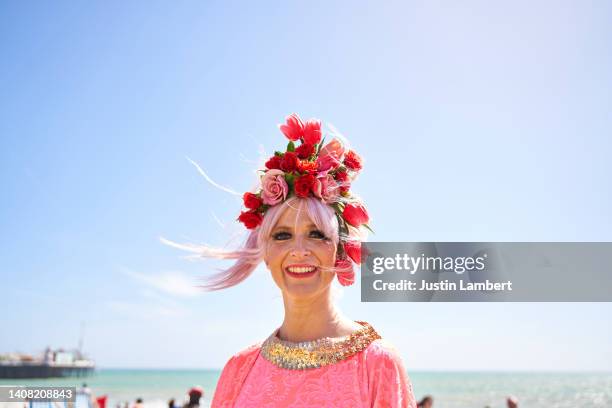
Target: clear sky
<point>478,121</point>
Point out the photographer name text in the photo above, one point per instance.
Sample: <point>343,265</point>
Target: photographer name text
<point>442,286</point>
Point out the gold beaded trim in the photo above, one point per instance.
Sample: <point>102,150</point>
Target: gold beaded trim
<point>316,353</point>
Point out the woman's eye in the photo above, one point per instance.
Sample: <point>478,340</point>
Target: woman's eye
<point>280,236</point>
<point>317,234</point>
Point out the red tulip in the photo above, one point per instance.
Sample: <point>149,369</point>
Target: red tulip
<point>312,131</point>
<point>294,127</point>
<point>353,250</point>
<point>355,214</point>
<point>344,272</point>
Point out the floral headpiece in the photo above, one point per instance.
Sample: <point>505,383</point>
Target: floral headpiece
<point>312,169</point>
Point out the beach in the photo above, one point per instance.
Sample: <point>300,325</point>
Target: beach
<point>449,389</point>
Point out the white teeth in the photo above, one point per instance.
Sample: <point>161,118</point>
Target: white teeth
<point>301,269</point>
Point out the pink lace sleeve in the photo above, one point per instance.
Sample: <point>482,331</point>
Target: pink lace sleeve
<point>232,377</point>
<point>388,382</point>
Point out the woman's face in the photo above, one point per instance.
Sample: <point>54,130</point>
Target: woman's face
<point>296,253</point>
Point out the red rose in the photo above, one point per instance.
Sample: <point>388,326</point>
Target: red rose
<point>250,219</point>
<point>289,162</point>
<point>353,250</point>
<point>342,178</point>
<point>294,127</point>
<point>251,201</point>
<point>305,150</point>
<point>303,185</point>
<point>344,272</point>
<point>306,166</point>
<point>355,214</point>
<point>274,163</point>
<point>353,161</point>
<point>312,131</point>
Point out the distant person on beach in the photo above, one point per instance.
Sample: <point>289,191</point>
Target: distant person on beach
<point>171,403</point>
<point>512,402</point>
<point>304,222</point>
<point>195,393</point>
<point>85,389</point>
<point>138,403</point>
<point>91,398</point>
<point>426,402</point>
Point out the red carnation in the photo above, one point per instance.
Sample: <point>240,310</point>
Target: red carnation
<point>303,185</point>
<point>312,131</point>
<point>355,214</point>
<point>342,178</point>
<point>274,162</point>
<point>251,201</point>
<point>294,127</point>
<point>353,161</point>
<point>250,219</point>
<point>305,166</point>
<point>289,162</point>
<point>305,150</point>
<point>353,250</point>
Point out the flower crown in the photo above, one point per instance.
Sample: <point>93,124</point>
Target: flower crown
<point>312,169</point>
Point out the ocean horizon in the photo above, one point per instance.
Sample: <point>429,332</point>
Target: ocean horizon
<point>456,389</point>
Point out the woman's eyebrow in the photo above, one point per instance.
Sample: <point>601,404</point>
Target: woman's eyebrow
<point>288,227</point>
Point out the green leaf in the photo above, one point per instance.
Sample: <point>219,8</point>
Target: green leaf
<point>289,178</point>
<point>369,229</point>
<point>320,145</point>
<point>291,146</point>
<point>341,254</point>
<point>342,227</point>
<point>277,153</point>
<point>337,208</point>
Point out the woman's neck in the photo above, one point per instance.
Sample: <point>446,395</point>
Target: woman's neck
<point>313,318</point>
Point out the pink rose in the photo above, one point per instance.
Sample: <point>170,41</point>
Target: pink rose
<point>274,187</point>
<point>294,128</point>
<point>326,188</point>
<point>330,156</point>
<point>326,163</point>
<point>333,148</point>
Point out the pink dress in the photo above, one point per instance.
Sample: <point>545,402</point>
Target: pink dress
<point>374,377</point>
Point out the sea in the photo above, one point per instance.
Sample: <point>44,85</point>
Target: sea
<point>449,389</point>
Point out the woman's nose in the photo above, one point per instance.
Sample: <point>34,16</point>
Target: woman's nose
<point>300,251</point>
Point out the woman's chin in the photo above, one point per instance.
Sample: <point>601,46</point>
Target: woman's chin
<point>306,286</point>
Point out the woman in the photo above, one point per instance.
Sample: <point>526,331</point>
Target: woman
<point>307,227</point>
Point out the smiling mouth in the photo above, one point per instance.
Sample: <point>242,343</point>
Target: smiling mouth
<point>302,271</point>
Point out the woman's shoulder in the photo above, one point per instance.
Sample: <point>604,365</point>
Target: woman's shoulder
<point>245,355</point>
<point>239,365</point>
<point>233,375</point>
<point>388,382</point>
<point>381,350</point>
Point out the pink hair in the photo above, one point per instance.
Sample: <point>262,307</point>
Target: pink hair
<point>252,252</point>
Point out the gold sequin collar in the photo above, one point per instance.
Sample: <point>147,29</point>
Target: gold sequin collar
<point>316,353</point>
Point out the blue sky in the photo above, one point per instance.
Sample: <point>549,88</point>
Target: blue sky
<point>477,121</point>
